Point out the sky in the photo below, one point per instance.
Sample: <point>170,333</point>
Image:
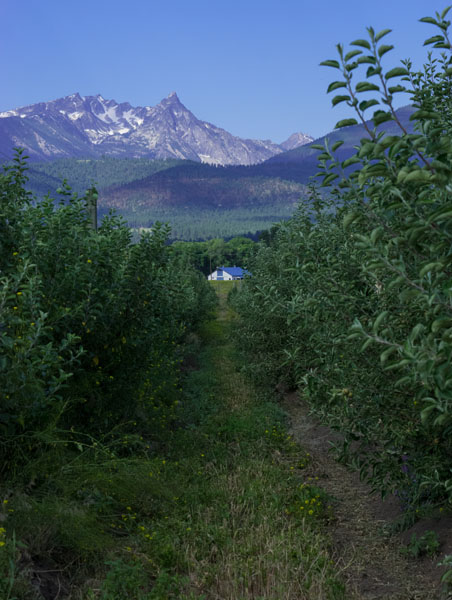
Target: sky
<point>248,66</point>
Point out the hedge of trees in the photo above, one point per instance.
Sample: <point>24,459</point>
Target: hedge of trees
<point>90,324</point>
<point>206,256</point>
<point>352,301</point>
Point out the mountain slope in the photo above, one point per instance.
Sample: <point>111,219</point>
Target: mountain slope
<point>202,200</point>
<point>92,127</point>
<point>306,157</point>
<point>127,176</point>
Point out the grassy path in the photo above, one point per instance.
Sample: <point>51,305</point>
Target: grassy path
<point>254,526</point>
<point>377,568</point>
<point>280,533</point>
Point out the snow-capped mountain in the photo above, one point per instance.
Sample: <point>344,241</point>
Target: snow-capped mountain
<point>296,140</point>
<point>91,126</point>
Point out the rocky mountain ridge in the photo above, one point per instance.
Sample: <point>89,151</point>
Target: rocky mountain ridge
<point>92,126</point>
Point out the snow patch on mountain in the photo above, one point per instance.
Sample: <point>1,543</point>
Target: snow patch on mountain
<point>81,126</point>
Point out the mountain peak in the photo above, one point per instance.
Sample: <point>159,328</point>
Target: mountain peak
<point>171,100</point>
<point>295,140</point>
<point>92,126</point>
<point>75,96</point>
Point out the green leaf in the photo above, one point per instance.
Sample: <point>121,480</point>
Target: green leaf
<point>389,140</point>
<point>366,59</point>
<point>353,160</point>
<point>425,413</point>
<point>430,20</point>
<point>424,114</point>
<point>371,71</point>
<point>352,54</point>
<point>444,26</point>
<point>396,72</point>
<point>381,34</point>
<point>339,99</point>
<point>443,323</point>
<point>329,178</point>
<point>445,11</point>
<point>345,123</point>
<point>366,149</point>
<point>350,218</point>
<point>361,43</point>
<point>365,104</point>
<point>330,63</point>
<point>396,89</point>
<point>382,116</point>
<point>383,49</point>
<point>376,235</point>
<point>367,343</point>
<point>376,170</point>
<point>432,266</point>
<point>440,166</point>
<point>386,354</point>
<point>434,39</point>
<point>379,320</point>
<point>441,216</point>
<point>366,86</point>
<point>317,147</point>
<point>371,31</point>
<point>416,331</point>
<point>418,176</point>
<point>336,145</point>
<point>336,85</point>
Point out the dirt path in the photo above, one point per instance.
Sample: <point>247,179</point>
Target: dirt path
<point>374,565</point>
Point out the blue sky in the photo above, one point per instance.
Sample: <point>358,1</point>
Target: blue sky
<point>249,66</point>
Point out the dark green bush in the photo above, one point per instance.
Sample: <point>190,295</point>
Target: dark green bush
<point>90,324</point>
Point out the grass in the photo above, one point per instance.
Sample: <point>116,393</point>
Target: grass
<point>221,509</point>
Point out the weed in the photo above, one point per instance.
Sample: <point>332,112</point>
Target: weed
<point>426,545</point>
<point>446,579</point>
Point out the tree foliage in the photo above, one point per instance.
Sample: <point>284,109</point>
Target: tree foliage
<point>207,256</point>
<point>90,324</point>
<point>354,302</point>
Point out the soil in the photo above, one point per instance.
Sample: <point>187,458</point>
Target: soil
<point>374,565</point>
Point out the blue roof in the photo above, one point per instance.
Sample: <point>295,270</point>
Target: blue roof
<point>236,271</point>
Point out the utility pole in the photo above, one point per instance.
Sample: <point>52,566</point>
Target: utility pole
<point>91,205</point>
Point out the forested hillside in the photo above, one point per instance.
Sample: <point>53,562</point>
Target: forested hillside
<point>198,201</point>
<point>83,173</point>
<point>201,201</point>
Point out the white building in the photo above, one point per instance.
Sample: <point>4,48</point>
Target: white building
<point>227,274</point>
